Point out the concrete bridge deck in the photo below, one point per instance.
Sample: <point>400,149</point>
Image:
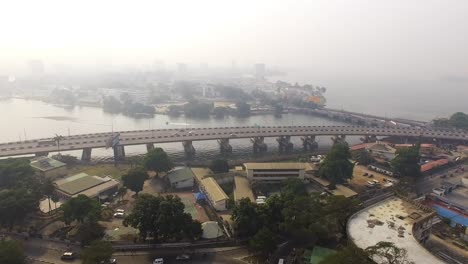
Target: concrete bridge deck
<point>141,137</point>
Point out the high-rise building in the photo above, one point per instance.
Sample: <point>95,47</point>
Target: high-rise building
<point>260,71</point>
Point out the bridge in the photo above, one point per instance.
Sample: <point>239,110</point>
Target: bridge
<point>118,140</point>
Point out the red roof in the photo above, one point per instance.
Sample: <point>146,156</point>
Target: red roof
<point>433,164</point>
<point>359,146</point>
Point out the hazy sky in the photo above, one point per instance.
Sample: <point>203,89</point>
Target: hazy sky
<point>377,37</point>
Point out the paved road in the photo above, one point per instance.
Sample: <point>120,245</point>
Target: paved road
<point>435,181</point>
<point>99,140</point>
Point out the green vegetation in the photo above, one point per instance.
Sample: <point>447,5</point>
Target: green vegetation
<point>219,165</point>
<point>243,109</point>
<point>126,106</point>
<point>97,252</point>
<point>11,252</point>
<point>406,162</point>
<point>263,241</point>
<point>457,120</point>
<point>364,157</point>
<point>198,109</point>
<point>388,253</point>
<point>350,255</point>
<point>162,218</point>
<point>157,160</point>
<point>81,208</point>
<point>135,179</point>
<point>336,167</point>
<point>294,215</point>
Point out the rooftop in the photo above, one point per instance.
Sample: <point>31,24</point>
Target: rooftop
<point>276,166</point>
<point>180,175</point>
<point>374,224</point>
<point>214,190</point>
<point>46,164</point>
<point>201,173</point>
<point>242,189</point>
<point>83,183</point>
<point>343,190</point>
<point>433,164</point>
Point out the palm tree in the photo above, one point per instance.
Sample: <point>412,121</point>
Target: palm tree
<point>57,139</point>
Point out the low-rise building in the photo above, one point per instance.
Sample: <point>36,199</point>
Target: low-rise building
<point>48,167</point>
<point>380,169</point>
<point>208,185</point>
<point>242,189</point>
<point>274,172</point>
<point>91,186</point>
<point>430,166</point>
<point>181,178</point>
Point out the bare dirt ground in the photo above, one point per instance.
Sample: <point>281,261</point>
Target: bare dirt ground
<point>358,182</point>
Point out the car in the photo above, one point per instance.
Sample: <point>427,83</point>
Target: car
<point>158,261</point>
<point>120,211</point>
<point>110,261</point>
<point>183,257</point>
<point>119,215</point>
<point>68,256</point>
<point>232,135</point>
<point>365,174</point>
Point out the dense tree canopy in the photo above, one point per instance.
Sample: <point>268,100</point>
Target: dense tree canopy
<point>163,218</point>
<point>157,160</point>
<point>134,179</point>
<point>336,166</point>
<point>219,165</point>
<point>349,255</point>
<point>97,252</point>
<point>11,252</point>
<point>264,241</point>
<point>364,157</point>
<point>406,162</point>
<point>246,218</point>
<point>15,173</point>
<point>197,109</point>
<point>387,253</point>
<point>457,120</point>
<point>81,208</point>
<point>15,204</point>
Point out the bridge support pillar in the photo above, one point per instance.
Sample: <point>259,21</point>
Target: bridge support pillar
<point>86,154</point>
<point>41,154</point>
<point>258,144</point>
<point>369,139</point>
<point>224,145</point>
<point>339,139</point>
<point>309,143</point>
<point>188,148</point>
<point>119,153</point>
<point>284,143</point>
<point>149,147</point>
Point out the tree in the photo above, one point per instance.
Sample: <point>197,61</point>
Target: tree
<point>406,162</point>
<point>457,120</point>
<point>163,218</point>
<point>219,165</point>
<point>81,208</point>
<point>57,140</point>
<point>364,157</point>
<point>111,104</point>
<point>134,179</point>
<point>48,190</point>
<point>264,241</point>
<point>89,231</point>
<point>97,252</point>
<point>121,192</point>
<point>55,198</point>
<point>293,187</point>
<point>349,255</point>
<point>246,218</point>
<point>15,173</point>
<point>11,252</point>
<point>15,205</point>
<point>157,160</point>
<point>337,210</point>
<point>388,253</point>
<point>336,166</point>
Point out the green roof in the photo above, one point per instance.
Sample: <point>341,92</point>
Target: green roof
<point>46,164</point>
<point>78,183</point>
<point>316,255</point>
<point>180,175</point>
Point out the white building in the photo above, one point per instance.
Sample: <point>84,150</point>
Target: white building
<point>279,171</point>
<point>181,178</point>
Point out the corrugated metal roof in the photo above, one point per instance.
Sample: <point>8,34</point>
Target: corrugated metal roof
<point>242,189</point>
<point>180,175</point>
<point>433,164</point>
<point>79,184</point>
<point>46,164</point>
<point>275,166</point>
<point>214,190</point>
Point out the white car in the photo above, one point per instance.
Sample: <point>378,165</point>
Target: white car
<point>119,215</point>
<point>120,211</point>
<point>158,261</point>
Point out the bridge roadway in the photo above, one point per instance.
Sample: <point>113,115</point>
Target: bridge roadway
<point>140,137</point>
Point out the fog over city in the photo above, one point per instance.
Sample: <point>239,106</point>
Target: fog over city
<point>359,48</point>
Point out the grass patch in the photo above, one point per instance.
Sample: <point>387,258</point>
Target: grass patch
<point>101,170</point>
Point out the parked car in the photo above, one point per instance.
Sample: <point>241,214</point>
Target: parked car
<point>120,211</point>
<point>183,257</point>
<point>68,256</point>
<point>119,215</point>
<point>158,261</point>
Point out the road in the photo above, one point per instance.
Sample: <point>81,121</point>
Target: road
<point>140,137</point>
<point>40,252</point>
<point>434,181</point>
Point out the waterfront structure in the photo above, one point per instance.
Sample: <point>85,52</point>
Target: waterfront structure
<point>242,189</point>
<point>181,178</point>
<point>215,195</point>
<point>118,140</point>
<point>48,167</point>
<point>273,172</point>
<point>402,221</point>
<point>92,186</point>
